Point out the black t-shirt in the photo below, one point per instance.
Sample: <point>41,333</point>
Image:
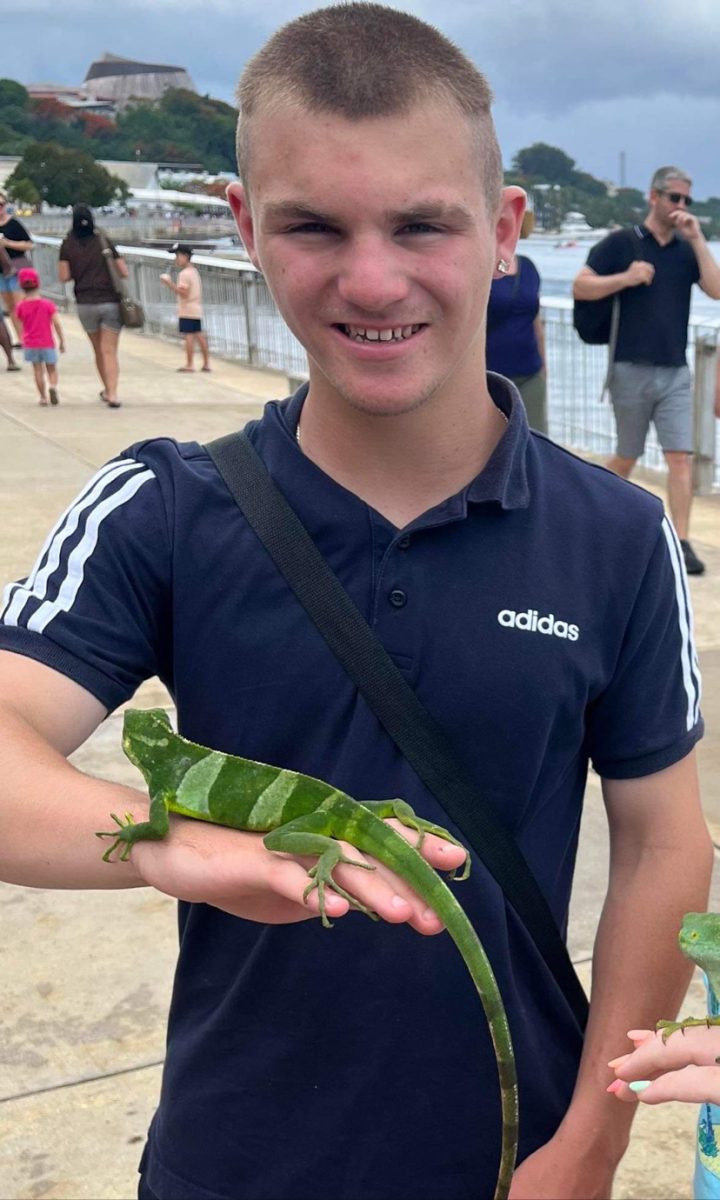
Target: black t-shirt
<point>88,269</point>
<point>653,317</point>
<point>16,232</point>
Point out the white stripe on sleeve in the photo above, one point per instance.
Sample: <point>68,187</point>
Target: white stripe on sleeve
<point>35,586</point>
<point>70,586</point>
<point>688,654</point>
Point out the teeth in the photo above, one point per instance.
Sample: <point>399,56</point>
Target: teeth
<point>400,333</point>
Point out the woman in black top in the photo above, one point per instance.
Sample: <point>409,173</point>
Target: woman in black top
<point>15,239</point>
<point>82,260</point>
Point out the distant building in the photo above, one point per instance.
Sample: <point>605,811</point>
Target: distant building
<point>122,80</point>
<point>73,97</point>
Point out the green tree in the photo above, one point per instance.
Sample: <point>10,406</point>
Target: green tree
<point>545,163</point>
<point>23,192</point>
<point>64,177</point>
<point>13,95</point>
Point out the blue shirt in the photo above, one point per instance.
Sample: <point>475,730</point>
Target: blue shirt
<point>512,345</point>
<point>541,614</point>
<point>653,317</point>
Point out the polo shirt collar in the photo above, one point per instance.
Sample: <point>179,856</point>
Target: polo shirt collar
<point>504,478</point>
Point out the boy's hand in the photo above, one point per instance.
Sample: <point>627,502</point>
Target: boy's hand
<point>165,278</point>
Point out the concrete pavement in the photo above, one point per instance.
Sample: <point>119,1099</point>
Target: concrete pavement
<point>86,976</point>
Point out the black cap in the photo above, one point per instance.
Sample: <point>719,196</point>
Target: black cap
<point>181,248</point>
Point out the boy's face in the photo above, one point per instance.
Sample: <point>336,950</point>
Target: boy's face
<point>376,243</point>
<point>181,260</point>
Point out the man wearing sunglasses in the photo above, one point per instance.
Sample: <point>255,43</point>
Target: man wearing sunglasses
<point>654,266</point>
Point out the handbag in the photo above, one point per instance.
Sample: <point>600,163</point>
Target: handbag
<point>418,736</point>
<point>131,311</point>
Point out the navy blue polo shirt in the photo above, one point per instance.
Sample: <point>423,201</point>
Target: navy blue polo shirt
<point>542,616</point>
<point>653,317</point>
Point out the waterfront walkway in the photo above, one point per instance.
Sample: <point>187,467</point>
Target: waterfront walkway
<point>86,976</point>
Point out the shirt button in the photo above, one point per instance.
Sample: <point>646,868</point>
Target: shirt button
<point>404,541</point>
<point>398,598</point>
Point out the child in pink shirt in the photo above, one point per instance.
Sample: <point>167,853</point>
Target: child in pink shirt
<point>38,317</point>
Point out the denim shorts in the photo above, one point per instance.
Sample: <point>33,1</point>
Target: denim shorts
<point>9,283</point>
<point>642,394</point>
<point>44,354</point>
<point>94,317</point>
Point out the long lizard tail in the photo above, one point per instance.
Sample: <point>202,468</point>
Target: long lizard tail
<point>428,884</point>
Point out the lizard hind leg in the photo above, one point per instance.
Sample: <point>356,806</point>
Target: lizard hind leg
<point>294,839</point>
<point>407,816</point>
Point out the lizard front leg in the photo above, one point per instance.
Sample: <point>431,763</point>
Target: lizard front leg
<point>128,831</point>
<point>305,835</point>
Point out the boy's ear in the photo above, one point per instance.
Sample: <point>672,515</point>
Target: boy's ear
<point>239,202</point>
<point>508,225</point>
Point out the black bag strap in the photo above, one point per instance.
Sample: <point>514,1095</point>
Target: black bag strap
<point>416,733</point>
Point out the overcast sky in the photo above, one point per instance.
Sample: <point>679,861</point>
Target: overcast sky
<point>595,78</point>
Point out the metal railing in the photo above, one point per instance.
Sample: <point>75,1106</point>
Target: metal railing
<point>242,323</point>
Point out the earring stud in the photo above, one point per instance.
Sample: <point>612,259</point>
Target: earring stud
<point>503,266</point>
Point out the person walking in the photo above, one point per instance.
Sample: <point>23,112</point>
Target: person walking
<point>653,268</point>
<point>16,241</point>
<point>515,334</point>
<point>39,319</point>
<point>81,259</point>
<point>356,1063</point>
<point>188,290</point>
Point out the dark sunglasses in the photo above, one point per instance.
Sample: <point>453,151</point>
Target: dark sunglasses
<point>676,197</point>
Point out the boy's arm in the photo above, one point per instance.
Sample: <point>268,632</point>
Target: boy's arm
<point>50,812</point>
<point>660,866</point>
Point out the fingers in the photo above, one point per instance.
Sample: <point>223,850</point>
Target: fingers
<point>697,1046</point>
<point>384,892</point>
<point>442,855</point>
<point>692,1084</point>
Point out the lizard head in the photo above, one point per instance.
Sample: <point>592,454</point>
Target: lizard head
<point>699,938</point>
<point>145,732</point>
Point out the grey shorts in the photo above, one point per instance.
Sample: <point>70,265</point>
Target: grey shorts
<point>94,317</point>
<point>642,394</point>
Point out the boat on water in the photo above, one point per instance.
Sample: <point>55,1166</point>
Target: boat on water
<point>574,231</point>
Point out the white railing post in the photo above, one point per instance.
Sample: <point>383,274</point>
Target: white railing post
<point>704,413</point>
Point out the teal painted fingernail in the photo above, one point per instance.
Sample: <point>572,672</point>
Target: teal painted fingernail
<point>639,1085</point>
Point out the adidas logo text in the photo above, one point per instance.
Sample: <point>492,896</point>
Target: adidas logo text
<point>531,621</point>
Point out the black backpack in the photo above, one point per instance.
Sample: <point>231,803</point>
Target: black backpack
<point>593,319</point>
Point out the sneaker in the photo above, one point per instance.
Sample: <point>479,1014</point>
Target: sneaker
<point>693,564</point>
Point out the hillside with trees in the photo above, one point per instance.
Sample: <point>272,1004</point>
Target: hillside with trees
<point>182,127</point>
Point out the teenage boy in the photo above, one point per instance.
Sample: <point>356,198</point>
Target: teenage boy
<point>356,1063</point>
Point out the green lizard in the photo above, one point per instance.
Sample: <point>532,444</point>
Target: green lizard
<point>699,940</point>
<point>304,816</point>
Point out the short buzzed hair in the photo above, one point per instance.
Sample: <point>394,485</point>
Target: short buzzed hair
<point>663,175</point>
<point>361,61</point>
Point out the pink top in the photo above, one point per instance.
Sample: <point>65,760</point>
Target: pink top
<point>36,317</point>
<point>190,303</point>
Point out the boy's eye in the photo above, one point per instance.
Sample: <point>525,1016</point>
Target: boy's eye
<point>310,227</point>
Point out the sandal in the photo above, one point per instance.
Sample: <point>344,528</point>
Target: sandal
<point>104,396</point>
<point>13,367</point>
<point>54,398</point>
<point>186,370</point>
